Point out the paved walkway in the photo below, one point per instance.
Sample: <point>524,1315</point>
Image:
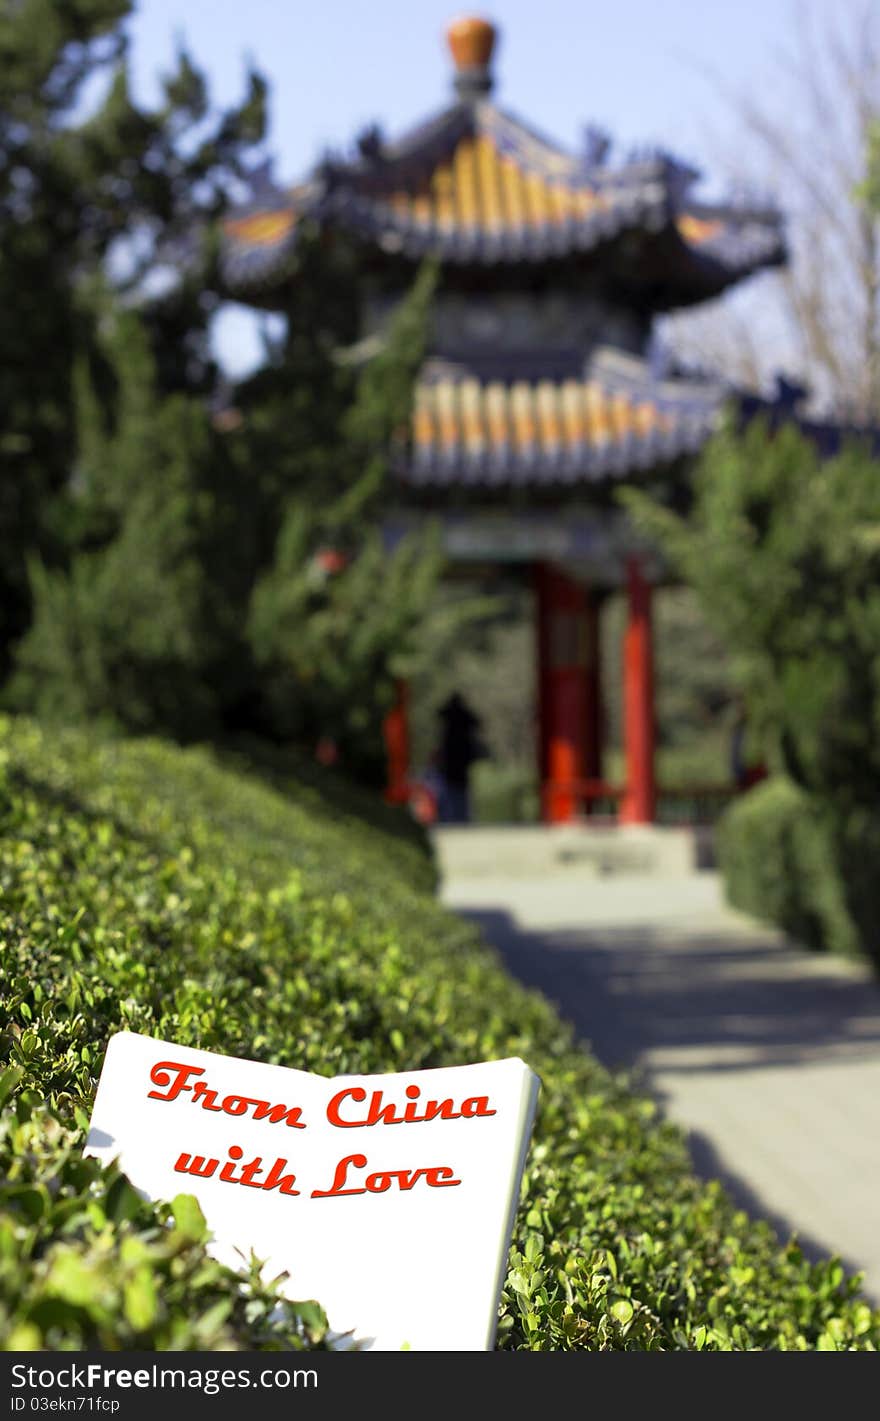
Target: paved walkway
<point>768,1056</point>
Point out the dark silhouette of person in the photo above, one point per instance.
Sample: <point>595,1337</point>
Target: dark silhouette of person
<point>460,745</point>
<point>745,774</point>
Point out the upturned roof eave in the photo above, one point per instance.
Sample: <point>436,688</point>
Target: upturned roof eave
<point>649,194</point>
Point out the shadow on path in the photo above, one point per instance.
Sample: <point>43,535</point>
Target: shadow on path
<point>628,992</point>
<point>713,1002</point>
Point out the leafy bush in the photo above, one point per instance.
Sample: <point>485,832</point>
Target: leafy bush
<point>775,860</point>
<point>151,889</point>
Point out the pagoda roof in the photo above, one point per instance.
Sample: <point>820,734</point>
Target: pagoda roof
<point>616,418</point>
<point>613,419</point>
<point>476,186</point>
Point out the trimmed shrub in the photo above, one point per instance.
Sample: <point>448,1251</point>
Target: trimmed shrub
<point>776,857</point>
<point>152,889</point>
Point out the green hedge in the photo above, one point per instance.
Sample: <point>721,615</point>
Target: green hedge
<point>153,889</point>
<point>774,854</point>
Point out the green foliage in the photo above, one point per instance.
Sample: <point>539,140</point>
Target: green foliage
<point>693,689</point>
<point>330,639</point>
<point>143,581</point>
<point>184,609</point>
<point>150,889</point>
<point>377,424</point>
<point>121,182</point>
<point>504,793</point>
<point>868,191</point>
<point>331,645</point>
<point>784,551</point>
<point>86,1263</point>
<point>290,442</point>
<point>126,634</point>
<point>776,865</point>
<point>317,429</point>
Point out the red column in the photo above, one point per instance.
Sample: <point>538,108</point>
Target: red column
<point>396,732</point>
<point>542,638</point>
<point>562,638</point>
<point>593,725</point>
<point>639,803</point>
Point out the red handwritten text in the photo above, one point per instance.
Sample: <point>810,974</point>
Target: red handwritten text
<point>438,1176</point>
<point>275,1178</point>
<point>415,1110</point>
<point>173,1078</point>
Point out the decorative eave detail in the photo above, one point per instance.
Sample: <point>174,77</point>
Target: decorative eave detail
<point>477,187</point>
<point>612,420</point>
<point>259,238</point>
<point>730,242</point>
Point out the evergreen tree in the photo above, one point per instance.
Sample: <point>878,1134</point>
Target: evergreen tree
<point>784,551</point>
<point>179,576</point>
<point>125,634</point>
<point>337,617</point>
<point>289,439</point>
<point>121,182</point>
<point>239,581</point>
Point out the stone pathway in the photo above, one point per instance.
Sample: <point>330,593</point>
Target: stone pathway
<point>768,1056</point>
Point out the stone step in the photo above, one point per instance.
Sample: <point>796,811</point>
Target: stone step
<point>572,850</point>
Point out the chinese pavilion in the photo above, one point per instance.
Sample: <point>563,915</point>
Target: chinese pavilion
<point>542,389</point>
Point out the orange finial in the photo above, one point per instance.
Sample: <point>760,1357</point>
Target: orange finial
<point>472,41</point>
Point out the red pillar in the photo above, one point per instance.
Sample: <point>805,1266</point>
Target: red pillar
<point>563,637</point>
<point>593,726</point>
<point>396,733</point>
<point>639,803</point>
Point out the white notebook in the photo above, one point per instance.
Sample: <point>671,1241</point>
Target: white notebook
<point>390,1199</point>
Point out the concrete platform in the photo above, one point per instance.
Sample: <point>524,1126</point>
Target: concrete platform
<point>768,1056</point>
<point>572,850</point>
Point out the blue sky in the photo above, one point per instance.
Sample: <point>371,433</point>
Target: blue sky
<point>648,72</point>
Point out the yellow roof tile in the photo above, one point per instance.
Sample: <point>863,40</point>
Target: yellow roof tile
<point>552,415</point>
<point>479,187</point>
<point>262,229</point>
